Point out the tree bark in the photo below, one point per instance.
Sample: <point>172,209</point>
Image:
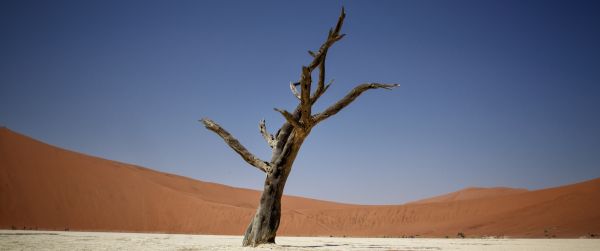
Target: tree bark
<point>263,226</point>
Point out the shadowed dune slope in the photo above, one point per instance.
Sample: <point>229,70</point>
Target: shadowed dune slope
<point>45,187</point>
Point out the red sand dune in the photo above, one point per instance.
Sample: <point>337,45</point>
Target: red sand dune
<point>45,187</point>
<point>471,193</point>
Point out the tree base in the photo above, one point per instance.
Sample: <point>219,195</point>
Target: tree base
<point>255,243</point>
<point>257,234</point>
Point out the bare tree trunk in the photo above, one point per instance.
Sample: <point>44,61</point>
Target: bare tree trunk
<point>287,141</point>
<point>263,226</point>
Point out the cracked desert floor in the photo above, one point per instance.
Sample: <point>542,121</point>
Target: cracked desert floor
<point>56,240</point>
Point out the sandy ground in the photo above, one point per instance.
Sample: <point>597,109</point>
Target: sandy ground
<point>55,240</point>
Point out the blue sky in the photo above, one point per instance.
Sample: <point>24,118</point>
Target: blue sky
<point>494,93</point>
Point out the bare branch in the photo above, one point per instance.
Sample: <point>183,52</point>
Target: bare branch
<point>338,38</point>
<point>268,137</point>
<point>351,96</point>
<point>321,82</point>
<point>236,145</point>
<point>294,90</point>
<point>332,37</point>
<point>290,118</point>
<point>320,57</point>
<point>305,103</point>
<point>318,94</point>
<point>328,84</point>
<point>338,25</point>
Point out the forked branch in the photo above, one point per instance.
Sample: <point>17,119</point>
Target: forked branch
<point>320,56</point>
<point>351,96</point>
<point>332,37</point>
<point>236,145</point>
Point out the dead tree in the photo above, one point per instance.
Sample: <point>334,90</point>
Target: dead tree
<point>286,142</point>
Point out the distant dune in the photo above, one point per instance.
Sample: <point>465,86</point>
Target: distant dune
<point>472,193</point>
<point>45,187</point>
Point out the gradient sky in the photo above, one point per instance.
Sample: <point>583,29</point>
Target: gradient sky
<point>494,93</point>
